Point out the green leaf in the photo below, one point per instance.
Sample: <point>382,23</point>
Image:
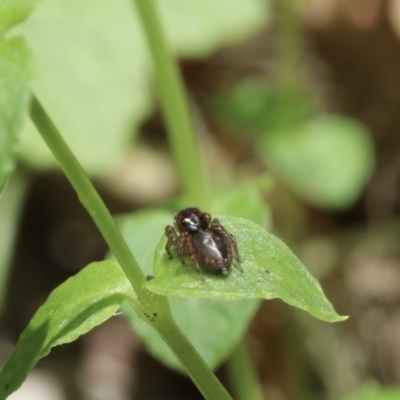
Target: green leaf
<point>92,77</point>
<point>226,321</point>
<point>244,201</point>
<point>372,391</point>
<point>93,72</point>
<point>214,327</point>
<point>74,308</point>
<point>15,74</point>
<point>256,107</point>
<point>13,12</point>
<point>271,270</point>
<point>197,28</point>
<point>142,231</point>
<point>328,160</point>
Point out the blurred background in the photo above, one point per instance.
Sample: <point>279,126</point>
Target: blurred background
<point>300,100</point>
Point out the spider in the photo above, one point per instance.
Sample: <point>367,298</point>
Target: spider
<point>205,241</point>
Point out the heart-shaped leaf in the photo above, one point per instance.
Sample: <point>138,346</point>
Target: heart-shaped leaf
<point>72,309</point>
<point>271,270</point>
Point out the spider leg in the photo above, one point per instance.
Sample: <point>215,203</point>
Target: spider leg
<point>173,240</point>
<point>180,251</point>
<point>215,224</point>
<point>192,256</point>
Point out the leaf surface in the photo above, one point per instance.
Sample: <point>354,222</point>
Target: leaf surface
<point>13,12</point>
<point>72,309</point>
<point>271,270</point>
<point>327,160</point>
<point>94,73</point>
<point>213,326</point>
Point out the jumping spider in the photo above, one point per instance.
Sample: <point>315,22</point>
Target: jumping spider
<point>205,241</point>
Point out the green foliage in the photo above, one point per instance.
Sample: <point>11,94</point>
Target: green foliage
<point>13,12</point>
<point>243,200</point>
<point>12,201</point>
<point>15,75</point>
<point>226,321</point>
<point>195,303</point>
<point>74,308</point>
<point>92,75</point>
<point>214,327</point>
<point>196,29</point>
<point>98,60</point>
<point>256,107</point>
<point>271,270</point>
<point>372,391</point>
<point>327,160</point>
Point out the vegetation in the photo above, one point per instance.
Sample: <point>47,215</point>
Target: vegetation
<point>80,103</point>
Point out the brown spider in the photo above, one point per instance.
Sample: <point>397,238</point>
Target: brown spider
<point>205,241</point>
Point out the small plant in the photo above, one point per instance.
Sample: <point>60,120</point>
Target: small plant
<point>270,269</point>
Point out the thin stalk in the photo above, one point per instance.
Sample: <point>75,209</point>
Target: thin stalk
<point>243,375</point>
<point>206,381</point>
<point>12,199</point>
<point>175,106</point>
<point>88,196</point>
<point>151,303</point>
<point>290,44</point>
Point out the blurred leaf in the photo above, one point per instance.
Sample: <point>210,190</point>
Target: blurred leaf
<point>15,74</point>
<point>142,231</point>
<point>92,77</point>
<point>13,12</point>
<point>197,28</point>
<point>93,72</point>
<point>271,270</point>
<point>226,321</point>
<point>245,201</point>
<point>72,309</point>
<point>327,160</point>
<point>256,107</point>
<point>214,327</point>
<point>372,391</point>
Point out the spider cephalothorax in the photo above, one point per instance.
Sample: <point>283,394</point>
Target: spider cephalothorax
<point>204,240</point>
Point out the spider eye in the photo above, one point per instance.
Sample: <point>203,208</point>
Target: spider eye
<point>192,223</point>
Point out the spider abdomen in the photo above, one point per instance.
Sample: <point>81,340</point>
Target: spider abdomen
<point>212,251</point>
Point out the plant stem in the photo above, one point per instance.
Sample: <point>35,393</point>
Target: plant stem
<point>88,196</point>
<point>151,303</point>
<point>242,374</point>
<point>290,44</point>
<point>206,381</point>
<point>175,108</point>
<point>12,199</point>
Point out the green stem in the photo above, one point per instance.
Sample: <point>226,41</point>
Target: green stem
<point>151,304</point>
<point>206,381</point>
<point>88,196</point>
<point>176,108</point>
<point>12,200</point>
<point>290,44</point>
<point>242,374</point>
